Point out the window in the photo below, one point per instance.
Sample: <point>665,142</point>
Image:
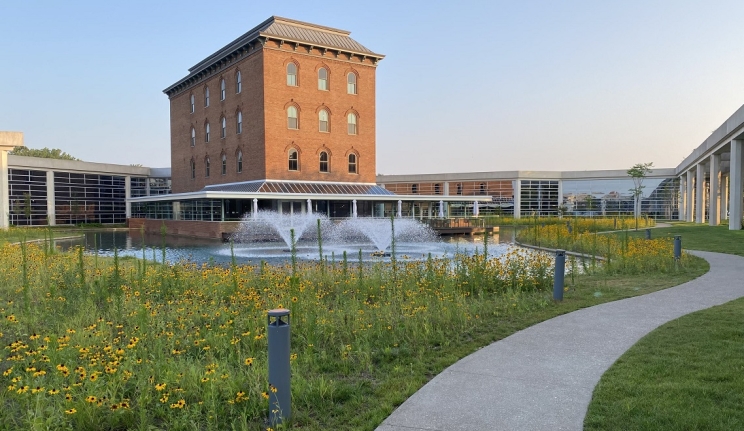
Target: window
<point>222,89</point>
<point>351,81</point>
<point>414,188</point>
<point>240,161</point>
<point>483,188</point>
<point>206,167</point>
<point>193,169</point>
<point>224,164</point>
<point>191,100</point>
<point>193,137</point>
<point>323,120</point>
<point>206,133</point>
<point>206,96</point>
<point>238,82</point>
<point>352,163</point>
<point>223,131</point>
<point>239,126</point>
<point>322,79</point>
<point>323,161</point>
<point>437,189</point>
<point>351,120</point>
<point>292,122</point>
<point>293,160</point>
<point>459,188</point>
<point>292,75</point>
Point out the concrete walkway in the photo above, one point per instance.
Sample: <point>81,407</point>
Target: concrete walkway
<point>542,378</point>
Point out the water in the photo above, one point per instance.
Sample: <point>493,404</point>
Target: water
<point>178,249</point>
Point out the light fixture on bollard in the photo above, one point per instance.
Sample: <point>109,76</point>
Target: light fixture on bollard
<point>280,399</point>
<point>677,247</point>
<point>559,275</point>
<point>648,233</point>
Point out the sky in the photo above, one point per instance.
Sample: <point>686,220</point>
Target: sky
<point>465,86</point>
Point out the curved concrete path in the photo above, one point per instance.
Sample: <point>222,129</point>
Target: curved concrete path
<point>542,378</point>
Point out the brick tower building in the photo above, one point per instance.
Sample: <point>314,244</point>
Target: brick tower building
<point>288,101</point>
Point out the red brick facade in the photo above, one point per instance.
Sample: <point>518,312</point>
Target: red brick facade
<point>266,139</point>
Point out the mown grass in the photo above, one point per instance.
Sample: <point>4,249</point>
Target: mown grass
<point>102,344</point>
<point>686,375</point>
<point>701,237</point>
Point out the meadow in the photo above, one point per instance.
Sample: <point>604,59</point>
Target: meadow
<point>115,344</point>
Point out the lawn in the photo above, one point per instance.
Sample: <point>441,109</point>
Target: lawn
<point>701,237</point>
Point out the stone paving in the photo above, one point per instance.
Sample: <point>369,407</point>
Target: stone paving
<point>542,378</point>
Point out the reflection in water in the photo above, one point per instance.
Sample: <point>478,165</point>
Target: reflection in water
<point>179,249</point>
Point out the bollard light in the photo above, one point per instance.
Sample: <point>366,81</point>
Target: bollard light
<point>559,274</point>
<point>677,247</point>
<point>648,233</point>
<point>280,399</point>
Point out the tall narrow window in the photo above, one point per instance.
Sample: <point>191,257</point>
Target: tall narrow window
<point>483,188</point>
<point>351,120</point>
<point>191,100</point>
<point>414,188</point>
<point>351,83</point>
<point>437,189</point>
<point>193,137</point>
<point>240,162</point>
<point>223,129</point>
<point>239,126</point>
<point>322,79</point>
<point>206,96</point>
<point>292,74</point>
<point>224,164</point>
<point>323,120</point>
<point>222,89</point>
<point>459,188</point>
<point>193,169</point>
<point>238,82</point>
<point>323,161</point>
<point>206,167</point>
<point>206,133</point>
<point>352,163</point>
<point>292,121</point>
<point>293,160</point>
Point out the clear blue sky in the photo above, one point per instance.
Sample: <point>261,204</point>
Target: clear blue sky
<point>529,85</point>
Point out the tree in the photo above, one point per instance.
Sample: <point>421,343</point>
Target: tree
<point>638,173</point>
<point>45,153</point>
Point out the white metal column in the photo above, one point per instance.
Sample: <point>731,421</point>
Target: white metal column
<point>689,201</point>
<point>51,202</point>
<point>724,196</point>
<point>700,194</point>
<point>517,198</point>
<point>682,204</point>
<point>128,195</point>
<point>735,186</point>
<point>714,199</point>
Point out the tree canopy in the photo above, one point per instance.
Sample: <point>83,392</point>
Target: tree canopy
<point>46,153</point>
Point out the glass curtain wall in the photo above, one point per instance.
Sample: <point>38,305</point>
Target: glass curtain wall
<point>614,197</point>
<point>27,193</point>
<point>89,198</point>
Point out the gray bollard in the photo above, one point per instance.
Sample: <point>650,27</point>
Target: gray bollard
<point>648,233</point>
<point>614,223</point>
<point>568,226</point>
<point>559,275</point>
<point>280,400</point>
<point>677,247</point>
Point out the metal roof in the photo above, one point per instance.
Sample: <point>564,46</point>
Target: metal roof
<point>281,187</point>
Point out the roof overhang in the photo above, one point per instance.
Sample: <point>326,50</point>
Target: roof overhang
<point>306,196</point>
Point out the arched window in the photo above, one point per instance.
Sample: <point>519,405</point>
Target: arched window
<point>240,162</point>
<point>206,167</point>
<point>351,121</point>
<point>206,96</point>
<point>239,125</point>
<point>351,83</point>
<point>224,164</point>
<point>322,79</point>
<point>483,188</point>
<point>238,82</point>
<point>193,169</point>
<point>292,74</point>
<point>206,133</point>
<point>191,100</point>
<point>437,189</point>
<point>292,121</point>
<point>414,188</point>
<point>223,129</point>
<point>193,137</point>
<point>323,161</point>
<point>222,89</point>
<point>352,163</point>
<point>294,160</point>
<point>323,120</point>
